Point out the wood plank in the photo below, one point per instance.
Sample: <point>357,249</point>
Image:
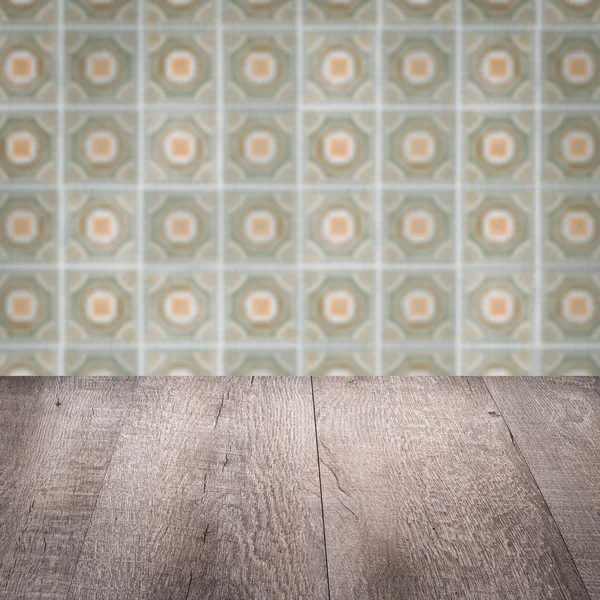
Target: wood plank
<point>213,493</point>
<point>425,496</point>
<point>556,425</point>
<point>56,440</point>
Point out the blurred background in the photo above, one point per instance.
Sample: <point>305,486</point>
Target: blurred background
<point>299,187</point>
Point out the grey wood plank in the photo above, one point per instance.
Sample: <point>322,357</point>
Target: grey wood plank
<point>56,440</point>
<point>212,493</point>
<point>425,496</point>
<point>556,425</point>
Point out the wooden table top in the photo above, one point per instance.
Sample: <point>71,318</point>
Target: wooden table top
<point>299,488</point>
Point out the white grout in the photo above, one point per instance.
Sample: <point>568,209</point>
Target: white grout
<point>140,309</point>
<point>458,191</point>
<point>538,209</point>
<point>326,345</point>
<point>278,107</point>
<point>61,232</point>
<point>423,187</point>
<point>377,311</point>
<point>329,27</point>
<point>220,306</point>
<point>300,212</point>
<point>325,266</point>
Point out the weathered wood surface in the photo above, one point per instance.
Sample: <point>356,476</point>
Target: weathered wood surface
<point>556,425</point>
<point>213,493</point>
<point>425,496</point>
<point>214,488</point>
<point>56,440</point>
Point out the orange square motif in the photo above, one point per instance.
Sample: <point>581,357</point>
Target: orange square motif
<point>498,307</point>
<point>21,67</point>
<point>261,307</point>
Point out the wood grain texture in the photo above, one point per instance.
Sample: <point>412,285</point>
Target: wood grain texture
<point>213,493</point>
<point>425,496</point>
<point>556,425</point>
<point>57,436</point>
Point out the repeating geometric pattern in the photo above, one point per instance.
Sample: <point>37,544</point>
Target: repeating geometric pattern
<point>280,187</point>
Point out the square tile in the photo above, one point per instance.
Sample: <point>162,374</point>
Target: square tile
<point>100,306</point>
<point>28,306</point>
<point>499,67</point>
<point>27,67</point>
<point>96,363</point>
<point>572,306</point>
<point>260,147</point>
<point>29,229</point>
<point>260,307</point>
<point>572,226</point>
<point>339,306</point>
<point>572,63</point>
<point>260,362</point>
<point>571,143</point>
<point>101,67</point>
<point>260,67</point>
<point>338,147</point>
<point>101,226</point>
<point>260,227</point>
<point>339,363</point>
<point>418,68</point>
<point>181,364</point>
<point>181,307</point>
<point>418,227</point>
<point>498,307</point>
<point>418,307</point>
<point>418,147</point>
<point>499,147</point>
<point>180,68</point>
<point>339,226</point>
<point>499,226</point>
<point>27,148</point>
<point>180,227</point>
<point>101,147</point>
<point>181,147</point>
<point>339,67</point>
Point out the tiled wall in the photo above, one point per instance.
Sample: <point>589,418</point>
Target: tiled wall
<point>300,186</point>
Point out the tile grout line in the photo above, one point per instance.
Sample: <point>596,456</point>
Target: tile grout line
<point>537,192</point>
<point>378,224</point>
<point>300,225</point>
<point>329,27</point>
<point>60,185</point>
<point>278,107</point>
<point>417,187</point>
<point>458,191</point>
<point>220,307</point>
<point>140,208</point>
<point>324,267</point>
<point>593,346</point>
